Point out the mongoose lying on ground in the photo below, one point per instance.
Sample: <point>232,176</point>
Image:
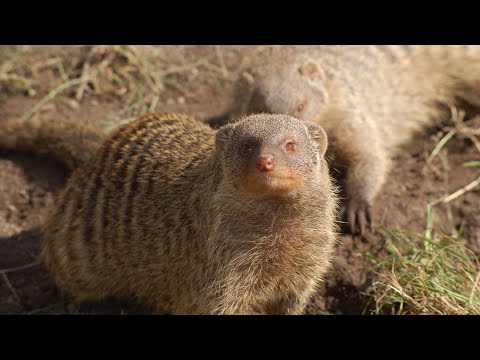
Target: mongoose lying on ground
<point>369,99</point>
<point>187,220</point>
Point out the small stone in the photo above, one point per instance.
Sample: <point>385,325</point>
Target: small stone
<point>72,103</point>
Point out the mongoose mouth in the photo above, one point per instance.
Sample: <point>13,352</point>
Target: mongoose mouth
<point>269,183</point>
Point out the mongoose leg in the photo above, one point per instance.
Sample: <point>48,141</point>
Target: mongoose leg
<point>290,304</point>
<point>367,163</point>
<point>365,177</point>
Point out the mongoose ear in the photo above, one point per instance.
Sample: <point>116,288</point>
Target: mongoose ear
<point>222,136</point>
<point>315,76</point>
<point>243,93</point>
<point>245,84</point>
<point>311,69</point>
<point>248,78</point>
<point>319,135</point>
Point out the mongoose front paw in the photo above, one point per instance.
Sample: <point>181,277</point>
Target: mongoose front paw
<point>359,215</point>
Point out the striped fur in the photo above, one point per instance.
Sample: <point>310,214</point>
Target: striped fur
<point>153,216</point>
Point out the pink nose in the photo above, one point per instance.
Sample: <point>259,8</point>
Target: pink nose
<point>266,163</point>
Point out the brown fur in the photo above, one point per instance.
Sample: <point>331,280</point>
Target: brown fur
<point>369,99</point>
<point>162,213</point>
<point>68,141</point>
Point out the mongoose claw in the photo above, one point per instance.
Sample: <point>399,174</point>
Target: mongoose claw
<point>359,216</point>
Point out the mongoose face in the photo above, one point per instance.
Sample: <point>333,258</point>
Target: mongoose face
<point>270,155</point>
<point>280,94</point>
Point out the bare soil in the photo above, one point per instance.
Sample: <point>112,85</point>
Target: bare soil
<point>28,184</point>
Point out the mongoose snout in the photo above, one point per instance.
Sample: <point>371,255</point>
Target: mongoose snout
<point>266,162</point>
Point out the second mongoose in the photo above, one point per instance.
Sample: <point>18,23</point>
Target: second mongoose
<point>369,99</point>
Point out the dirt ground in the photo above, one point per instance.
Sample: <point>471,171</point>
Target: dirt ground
<point>28,184</point>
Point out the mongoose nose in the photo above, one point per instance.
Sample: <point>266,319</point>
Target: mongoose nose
<point>266,163</point>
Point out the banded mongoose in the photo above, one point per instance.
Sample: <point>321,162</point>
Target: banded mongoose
<point>188,220</point>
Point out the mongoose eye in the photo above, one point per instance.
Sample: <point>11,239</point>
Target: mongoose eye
<point>300,107</point>
<point>290,147</point>
<point>247,148</point>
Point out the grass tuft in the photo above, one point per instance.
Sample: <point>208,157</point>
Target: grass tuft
<point>430,273</point>
<point>422,276</point>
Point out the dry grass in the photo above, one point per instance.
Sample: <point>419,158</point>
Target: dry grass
<point>14,77</point>
<point>421,276</point>
<point>143,78</point>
